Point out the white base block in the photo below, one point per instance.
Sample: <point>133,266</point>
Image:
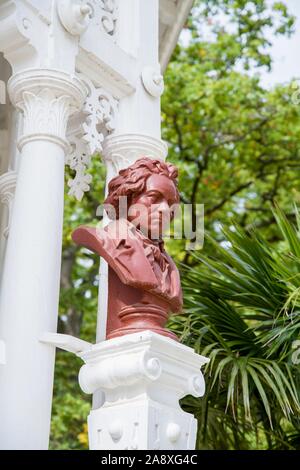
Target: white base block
<point>143,376</point>
<point>141,424</point>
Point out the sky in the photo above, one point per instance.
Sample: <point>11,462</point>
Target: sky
<point>285,53</point>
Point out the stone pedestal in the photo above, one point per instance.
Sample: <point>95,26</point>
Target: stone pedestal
<point>143,376</point>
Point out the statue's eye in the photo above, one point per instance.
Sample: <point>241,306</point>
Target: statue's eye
<point>154,197</point>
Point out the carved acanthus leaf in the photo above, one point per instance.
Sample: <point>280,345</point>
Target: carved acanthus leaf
<point>45,113</point>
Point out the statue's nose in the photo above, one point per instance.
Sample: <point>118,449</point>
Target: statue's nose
<point>164,207</point>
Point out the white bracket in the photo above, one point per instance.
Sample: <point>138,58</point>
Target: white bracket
<point>66,342</point>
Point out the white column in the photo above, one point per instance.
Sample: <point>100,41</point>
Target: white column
<point>143,376</point>
<point>8,180</point>
<point>7,190</point>
<point>138,121</point>
<point>30,287</point>
<point>3,205</point>
<point>138,34</point>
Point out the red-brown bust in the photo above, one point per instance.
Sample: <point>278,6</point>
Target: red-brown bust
<point>143,284</point>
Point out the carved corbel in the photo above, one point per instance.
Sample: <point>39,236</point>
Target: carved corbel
<point>20,34</point>
<point>87,133</point>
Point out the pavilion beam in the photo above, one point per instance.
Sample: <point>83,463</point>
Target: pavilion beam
<point>106,64</point>
<point>170,40</point>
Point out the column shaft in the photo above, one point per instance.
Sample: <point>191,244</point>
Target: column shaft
<point>138,123</point>
<point>31,276</point>
<point>29,302</point>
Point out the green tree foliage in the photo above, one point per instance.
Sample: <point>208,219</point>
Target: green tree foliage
<point>242,310</point>
<point>236,145</point>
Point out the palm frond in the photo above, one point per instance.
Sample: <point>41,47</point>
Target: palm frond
<point>242,309</point>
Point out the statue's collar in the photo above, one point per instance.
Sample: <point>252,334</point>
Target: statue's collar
<point>147,241</point>
<point>159,243</point>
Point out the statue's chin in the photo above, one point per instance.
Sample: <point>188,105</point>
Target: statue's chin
<point>155,233</point>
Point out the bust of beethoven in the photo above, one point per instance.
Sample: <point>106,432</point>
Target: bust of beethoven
<point>143,283</point>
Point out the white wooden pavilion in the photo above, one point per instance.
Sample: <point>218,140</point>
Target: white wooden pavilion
<point>79,78</point>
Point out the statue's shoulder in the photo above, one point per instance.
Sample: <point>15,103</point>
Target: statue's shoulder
<point>121,246</point>
<point>87,237</point>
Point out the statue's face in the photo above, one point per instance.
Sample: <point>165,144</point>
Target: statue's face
<point>151,210</point>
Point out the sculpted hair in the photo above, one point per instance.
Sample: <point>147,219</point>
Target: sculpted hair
<point>131,181</point>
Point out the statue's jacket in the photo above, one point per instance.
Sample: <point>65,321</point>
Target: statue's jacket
<point>142,276</point>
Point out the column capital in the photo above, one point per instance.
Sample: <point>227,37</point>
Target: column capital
<point>143,376</point>
<point>123,150</point>
<point>47,98</point>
